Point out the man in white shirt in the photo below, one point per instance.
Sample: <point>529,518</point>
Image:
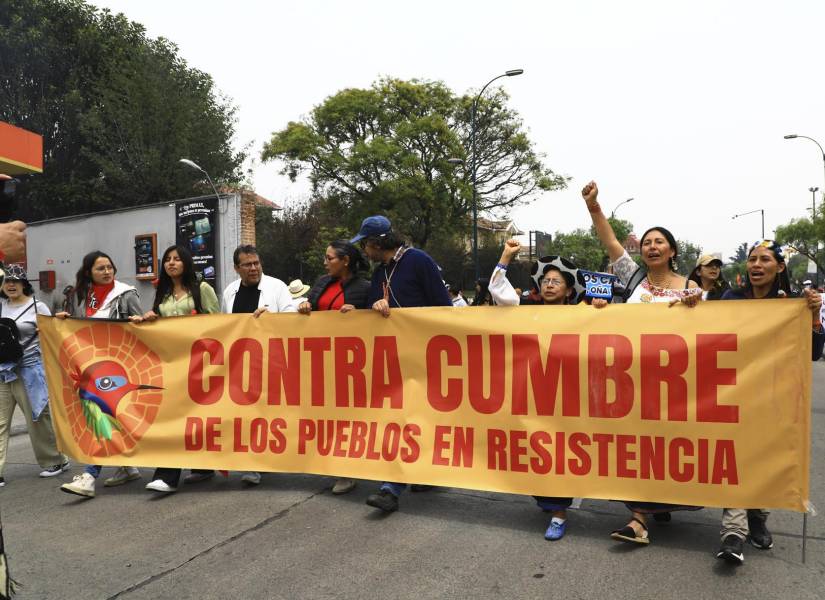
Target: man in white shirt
<point>254,293</point>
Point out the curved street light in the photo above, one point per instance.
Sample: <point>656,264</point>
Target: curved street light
<point>193,165</point>
<point>793,136</point>
<point>474,164</point>
<point>758,210</point>
<point>613,212</point>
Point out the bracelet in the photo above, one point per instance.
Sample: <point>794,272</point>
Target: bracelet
<point>501,266</point>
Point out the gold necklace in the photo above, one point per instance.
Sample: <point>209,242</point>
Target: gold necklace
<point>659,284</point>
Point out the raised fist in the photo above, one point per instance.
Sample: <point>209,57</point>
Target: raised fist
<point>590,193</point>
<point>511,248</point>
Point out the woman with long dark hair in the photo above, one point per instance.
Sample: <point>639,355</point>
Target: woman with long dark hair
<point>179,293</point>
<point>655,281</point>
<point>97,294</point>
<point>767,278</point>
<point>341,289</point>
<point>708,275</point>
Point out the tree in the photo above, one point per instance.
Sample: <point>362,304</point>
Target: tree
<point>115,108</point>
<point>285,242</point>
<point>581,247</point>
<point>805,237</point>
<point>689,253</point>
<point>385,150</point>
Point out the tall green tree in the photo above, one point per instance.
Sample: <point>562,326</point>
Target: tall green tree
<point>805,237</point>
<point>116,109</point>
<point>385,150</point>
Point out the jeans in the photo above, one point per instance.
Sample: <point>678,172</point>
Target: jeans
<point>393,488</point>
<point>548,503</point>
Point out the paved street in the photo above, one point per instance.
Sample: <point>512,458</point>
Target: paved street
<point>290,538</point>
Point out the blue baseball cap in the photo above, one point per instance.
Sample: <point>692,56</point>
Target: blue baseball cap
<point>372,226</point>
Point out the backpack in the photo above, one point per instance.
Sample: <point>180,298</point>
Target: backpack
<point>632,283</point>
<point>11,350</point>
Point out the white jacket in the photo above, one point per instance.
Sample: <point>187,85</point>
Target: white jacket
<point>274,295</point>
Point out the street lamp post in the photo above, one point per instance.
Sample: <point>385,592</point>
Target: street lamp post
<point>813,191</point>
<point>474,164</point>
<point>193,165</point>
<point>758,210</point>
<point>793,136</point>
<point>613,212</point>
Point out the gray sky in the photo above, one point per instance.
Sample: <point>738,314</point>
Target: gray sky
<point>681,105</point>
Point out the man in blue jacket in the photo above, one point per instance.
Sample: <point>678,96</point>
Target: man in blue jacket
<point>405,277</point>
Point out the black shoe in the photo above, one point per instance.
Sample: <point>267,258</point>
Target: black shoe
<point>759,535</point>
<point>2,481</point>
<point>384,499</point>
<point>731,550</point>
<point>663,517</point>
<point>420,487</point>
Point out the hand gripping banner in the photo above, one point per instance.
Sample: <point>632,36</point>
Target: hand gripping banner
<point>707,406</point>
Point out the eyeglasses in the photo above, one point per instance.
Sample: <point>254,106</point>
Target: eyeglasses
<point>250,265</point>
<point>330,258</point>
<point>549,282</point>
<point>104,268</point>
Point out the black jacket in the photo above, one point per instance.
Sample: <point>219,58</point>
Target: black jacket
<point>356,291</point>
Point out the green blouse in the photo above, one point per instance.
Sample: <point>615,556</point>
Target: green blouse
<point>175,308</point>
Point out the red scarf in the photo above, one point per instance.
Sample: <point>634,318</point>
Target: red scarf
<point>97,296</point>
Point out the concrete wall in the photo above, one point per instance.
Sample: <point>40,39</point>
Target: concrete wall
<point>60,244</point>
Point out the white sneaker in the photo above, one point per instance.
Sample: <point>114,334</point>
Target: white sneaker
<point>55,470</point>
<point>81,485</point>
<point>121,476</point>
<point>251,478</point>
<point>159,485</point>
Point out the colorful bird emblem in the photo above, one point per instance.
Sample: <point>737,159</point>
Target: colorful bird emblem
<point>101,387</point>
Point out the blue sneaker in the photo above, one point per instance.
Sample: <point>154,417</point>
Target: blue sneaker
<point>555,531</point>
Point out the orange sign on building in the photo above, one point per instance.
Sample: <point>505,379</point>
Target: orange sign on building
<point>21,151</point>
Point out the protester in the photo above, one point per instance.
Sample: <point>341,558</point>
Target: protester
<point>98,295</point>
<point>405,277</point>
<point>341,289</point>
<point>179,294</point>
<point>22,378</point>
<point>656,281</point>
<point>560,283</point>
<point>766,278</point>
<point>298,290</point>
<point>254,293</point>
<point>483,297</point>
<point>456,296</point>
<point>708,275</point>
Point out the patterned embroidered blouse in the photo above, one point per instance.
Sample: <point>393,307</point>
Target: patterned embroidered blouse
<point>645,292</point>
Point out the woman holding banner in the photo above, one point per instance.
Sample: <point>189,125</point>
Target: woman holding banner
<point>341,289</point>
<point>767,278</point>
<point>656,281</point>
<point>98,295</point>
<point>178,294</point>
<point>559,283</point>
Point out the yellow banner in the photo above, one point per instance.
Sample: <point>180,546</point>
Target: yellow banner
<point>707,406</point>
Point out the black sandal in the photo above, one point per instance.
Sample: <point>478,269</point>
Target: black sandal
<point>628,534</point>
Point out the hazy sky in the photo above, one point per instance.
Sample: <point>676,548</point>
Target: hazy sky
<point>681,105</point>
